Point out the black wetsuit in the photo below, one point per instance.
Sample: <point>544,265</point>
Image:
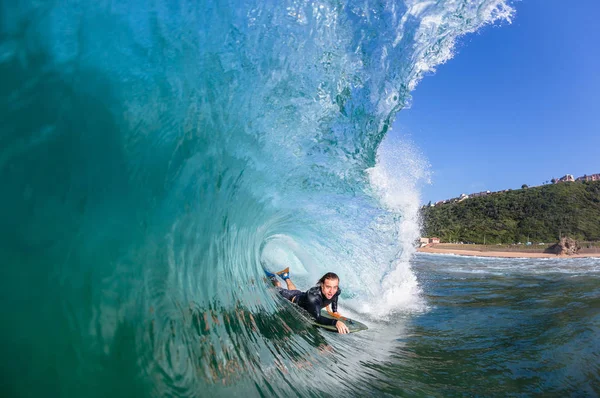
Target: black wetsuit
<point>312,301</point>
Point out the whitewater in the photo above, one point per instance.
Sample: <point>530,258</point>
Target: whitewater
<point>153,154</point>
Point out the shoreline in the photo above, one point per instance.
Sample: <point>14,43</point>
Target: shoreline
<point>440,249</point>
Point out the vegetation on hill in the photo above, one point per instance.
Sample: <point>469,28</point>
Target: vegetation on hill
<point>538,214</point>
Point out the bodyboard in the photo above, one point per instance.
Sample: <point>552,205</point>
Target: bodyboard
<point>353,326</point>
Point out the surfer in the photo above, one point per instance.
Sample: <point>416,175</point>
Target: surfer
<point>326,292</point>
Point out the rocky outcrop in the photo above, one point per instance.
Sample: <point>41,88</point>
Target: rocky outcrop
<point>566,246</point>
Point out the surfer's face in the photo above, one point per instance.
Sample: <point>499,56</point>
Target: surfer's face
<point>329,288</point>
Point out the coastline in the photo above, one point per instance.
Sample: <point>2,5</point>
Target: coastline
<point>440,248</point>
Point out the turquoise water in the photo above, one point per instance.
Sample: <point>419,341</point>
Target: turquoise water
<point>153,154</point>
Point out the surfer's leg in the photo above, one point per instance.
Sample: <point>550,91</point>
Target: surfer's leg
<point>275,282</point>
<point>289,294</point>
<point>290,284</point>
<point>285,275</point>
<point>272,277</point>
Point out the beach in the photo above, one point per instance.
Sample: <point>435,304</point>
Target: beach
<point>486,251</point>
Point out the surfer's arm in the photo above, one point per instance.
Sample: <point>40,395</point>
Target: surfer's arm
<point>334,302</point>
<point>341,327</point>
<point>326,321</point>
<point>314,309</point>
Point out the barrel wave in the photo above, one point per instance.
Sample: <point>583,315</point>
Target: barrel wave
<point>155,153</point>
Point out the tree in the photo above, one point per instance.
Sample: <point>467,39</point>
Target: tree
<point>524,186</point>
<point>543,213</point>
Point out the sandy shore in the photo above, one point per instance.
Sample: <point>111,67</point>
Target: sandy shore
<point>439,249</point>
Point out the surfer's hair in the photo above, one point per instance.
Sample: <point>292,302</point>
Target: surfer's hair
<point>329,275</point>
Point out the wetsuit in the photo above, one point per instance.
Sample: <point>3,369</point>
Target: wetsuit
<point>312,301</point>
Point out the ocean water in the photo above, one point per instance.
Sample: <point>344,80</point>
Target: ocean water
<point>154,154</point>
<point>505,327</point>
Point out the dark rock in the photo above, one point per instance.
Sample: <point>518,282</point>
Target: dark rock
<point>566,246</point>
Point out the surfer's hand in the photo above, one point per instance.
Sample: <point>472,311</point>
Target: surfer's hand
<point>341,327</point>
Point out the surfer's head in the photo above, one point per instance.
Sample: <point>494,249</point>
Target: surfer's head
<point>329,285</point>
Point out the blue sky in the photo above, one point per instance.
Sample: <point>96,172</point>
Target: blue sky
<point>518,104</point>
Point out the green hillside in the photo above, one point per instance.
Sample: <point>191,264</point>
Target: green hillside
<point>538,214</point>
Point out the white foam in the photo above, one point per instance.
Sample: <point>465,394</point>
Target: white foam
<point>395,179</point>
